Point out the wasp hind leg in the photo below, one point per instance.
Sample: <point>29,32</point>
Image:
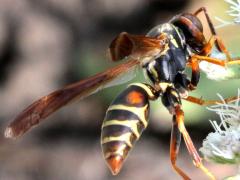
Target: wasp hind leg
<point>171,99</point>
<point>174,148</point>
<point>197,161</point>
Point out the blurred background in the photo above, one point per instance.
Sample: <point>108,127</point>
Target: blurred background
<point>47,44</point>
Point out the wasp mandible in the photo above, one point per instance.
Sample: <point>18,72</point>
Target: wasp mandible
<point>163,53</point>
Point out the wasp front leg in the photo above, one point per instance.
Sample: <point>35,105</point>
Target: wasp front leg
<point>209,46</point>
<point>125,120</point>
<point>207,50</point>
<point>215,39</point>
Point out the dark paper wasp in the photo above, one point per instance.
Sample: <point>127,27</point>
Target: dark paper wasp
<point>164,53</point>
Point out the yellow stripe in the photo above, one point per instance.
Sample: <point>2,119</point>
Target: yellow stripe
<point>139,111</point>
<point>179,35</point>
<point>166,48</point>
<point>174,42</point>
<point>175,94</point>
<point>146,88</point>
<point>165,85</point>
<point>124,137</point>
<point>119,151</point>
<point>132,124</point>
<point>152,69</point>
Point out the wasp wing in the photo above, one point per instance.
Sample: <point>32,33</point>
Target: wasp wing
<point>135,46</point>
<point>48,104</point>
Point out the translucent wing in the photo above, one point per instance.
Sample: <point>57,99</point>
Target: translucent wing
<point>48,104</point>
<point>136,46</point>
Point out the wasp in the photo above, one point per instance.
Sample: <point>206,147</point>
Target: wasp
<point>163,53</point>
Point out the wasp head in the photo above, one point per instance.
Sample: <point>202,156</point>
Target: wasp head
<point>192,29</point>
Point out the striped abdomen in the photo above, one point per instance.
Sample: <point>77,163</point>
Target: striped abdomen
<point>125,120</point>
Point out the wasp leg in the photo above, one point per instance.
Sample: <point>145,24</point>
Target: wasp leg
<point>207,51</point>
<point>212,60</point>
<point>215,39</point>
<point>174,148</point>
<point>194,64</point>
<point>209,46</point>
<point>203,102</point>
<point>197,161</point>
<point>181,83</point>
<point>218,43</point>
<point>210,24</point>
<point>172,101</point>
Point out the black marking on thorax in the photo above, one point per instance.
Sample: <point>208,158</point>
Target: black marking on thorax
<point>172,59</point>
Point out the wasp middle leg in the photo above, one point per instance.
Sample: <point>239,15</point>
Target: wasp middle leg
<point>204,102</point>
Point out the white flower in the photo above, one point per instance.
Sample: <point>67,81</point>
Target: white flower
<point>219,73</point>
<point>215,72</point>
<point>234,11</point>
<point>223,145</point>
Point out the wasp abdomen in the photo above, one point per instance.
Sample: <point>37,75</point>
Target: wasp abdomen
<point>125,120</point>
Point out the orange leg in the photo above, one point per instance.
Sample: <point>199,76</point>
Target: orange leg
<point>218,42</point>
<point>202,102</point>
<point>212,60</point>
<point>174,148</point>
<point>210,24</point>
<point>209,46</point>
<point>197,161</point>
<point>215,39</point>
<point>216,61</point>
<point>194,64</point>
<point>193,61</point>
